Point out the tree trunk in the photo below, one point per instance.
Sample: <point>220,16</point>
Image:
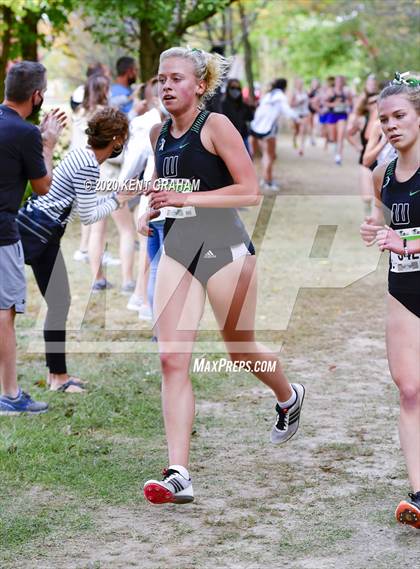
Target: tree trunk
<point>5,46</point>
<point>29,36</point>
<point>373,51</point>
<point>247,51</point>
<point>223,32</point>
<point>229,19</point>
<point>150,48</point>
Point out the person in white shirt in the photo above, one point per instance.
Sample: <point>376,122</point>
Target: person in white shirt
<point>95,96</point>
<point>264,127</point>
<point>138,160</point>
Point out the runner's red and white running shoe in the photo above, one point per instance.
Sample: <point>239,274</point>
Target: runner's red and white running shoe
<point>175,487</point>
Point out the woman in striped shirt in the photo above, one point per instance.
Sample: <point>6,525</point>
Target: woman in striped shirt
<point>73,191</point>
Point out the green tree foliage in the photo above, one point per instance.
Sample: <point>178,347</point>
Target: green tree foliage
<point>325,37</point>
<point>147,27</point>
<point>20,28</point>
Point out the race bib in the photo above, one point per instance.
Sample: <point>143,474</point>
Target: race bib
<point>180,212</point>
<point>340,108</point>
<point>410,264</point>
<point>182,185</point>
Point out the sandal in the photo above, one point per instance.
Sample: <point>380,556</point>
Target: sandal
<point>71,382</point>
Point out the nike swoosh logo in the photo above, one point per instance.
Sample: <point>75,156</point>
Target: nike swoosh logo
<point>183,145</point>
<point>414,193</point>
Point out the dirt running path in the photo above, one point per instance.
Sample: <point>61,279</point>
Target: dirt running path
<point>325,500</point>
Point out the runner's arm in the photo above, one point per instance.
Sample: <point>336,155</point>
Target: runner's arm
<point>143,222</point>
<point>374,146</point>
<point>375,222</point>
<point>226,142</point>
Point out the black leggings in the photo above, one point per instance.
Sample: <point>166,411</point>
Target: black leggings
<point>51,276</point>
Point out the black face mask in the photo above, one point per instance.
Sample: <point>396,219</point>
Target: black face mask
<point>33,117</point>
<point>235,93</point>
<point>132,80</point>
<point>117,151</point>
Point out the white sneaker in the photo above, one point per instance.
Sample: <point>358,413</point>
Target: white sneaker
<point>135,302</point>
<point>175,487</point>
<point>338,159</point>
<point>81,256</point>
<point>287,421</point>
<point>145,312</point>
<point>109,260</point>
<point>271,187</point>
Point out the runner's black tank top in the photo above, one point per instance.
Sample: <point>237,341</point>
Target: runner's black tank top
<point>186,158</point>
<point>401,206</point>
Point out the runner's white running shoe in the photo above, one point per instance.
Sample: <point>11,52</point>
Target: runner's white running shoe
<point>81,256</point>
<point>287,421</point>
<point>109,260</point>
<point>175,487</point>
<point>135,302</point>
<point>145,312</point>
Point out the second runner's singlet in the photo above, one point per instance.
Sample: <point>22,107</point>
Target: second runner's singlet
<point>401,202</point>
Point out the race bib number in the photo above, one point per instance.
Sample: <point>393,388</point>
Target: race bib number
<point>182,185</point>
<point>180,212</point>
<point>410,264</point>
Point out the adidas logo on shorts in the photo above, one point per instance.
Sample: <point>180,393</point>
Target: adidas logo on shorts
<point>209,255</point>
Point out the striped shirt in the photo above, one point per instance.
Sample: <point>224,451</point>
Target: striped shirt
<point>74,185</point>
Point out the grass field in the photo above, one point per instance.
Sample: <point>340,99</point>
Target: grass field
<point>71,479</point>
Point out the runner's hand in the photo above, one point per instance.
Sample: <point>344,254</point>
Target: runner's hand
<point>368,231</point>
<point>51,126</point>
<point>389,239</point>
<point>143,224</point>
<point>164,199</point>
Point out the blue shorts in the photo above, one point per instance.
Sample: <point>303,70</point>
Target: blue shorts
<point>323,118</point>
<point>333,118</point>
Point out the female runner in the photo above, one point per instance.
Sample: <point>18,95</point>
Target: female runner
<point>397,188</point>
<point>300,103</point>
<point>363,120</point>
<point>264,128</point>
<point>206,251</point>
<point>314,106</point>
<point>339,103</point>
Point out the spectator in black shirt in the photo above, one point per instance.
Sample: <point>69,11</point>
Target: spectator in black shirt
<point>214,103</point>
<point>25,154</point>
<point>235,108</point>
